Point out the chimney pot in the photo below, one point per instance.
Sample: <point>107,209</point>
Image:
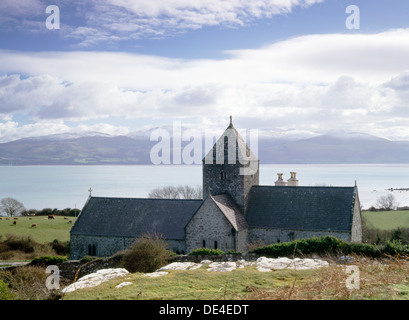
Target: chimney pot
<point>293,180</point>
<point>280,181</point>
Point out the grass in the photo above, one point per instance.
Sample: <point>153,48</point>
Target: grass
<point>379,280</point>
<point>387,220</point>
<point>46,230</point>
<point>198,284</point>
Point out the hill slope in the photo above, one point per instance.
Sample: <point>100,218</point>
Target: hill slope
<point>100,149</point>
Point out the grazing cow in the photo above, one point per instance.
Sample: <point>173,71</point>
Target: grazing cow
<point>34,225</point>
<point>7,218</point>
<point>14,222</point>
<point>50,217</point>
<point>30,218</point>
<point>1,218</point>
<point>70,221</point>
<point>15,218</point>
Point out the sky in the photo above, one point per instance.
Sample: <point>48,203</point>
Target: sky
<point>294,68</point>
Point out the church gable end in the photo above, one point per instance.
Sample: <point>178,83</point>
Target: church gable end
<point>211,228</point>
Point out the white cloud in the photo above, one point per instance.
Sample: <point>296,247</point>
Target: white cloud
<point>107,21</point>
<point>145,18</point>
<point>306,84</point>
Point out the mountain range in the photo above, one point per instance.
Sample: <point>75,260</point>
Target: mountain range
<point>99,149</point>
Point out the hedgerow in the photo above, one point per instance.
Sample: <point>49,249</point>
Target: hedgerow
<point>330,245</point>
<point>205,251</point>
<point>47,260</point>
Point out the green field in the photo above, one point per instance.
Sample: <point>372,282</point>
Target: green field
<point>387,220</point>
<point>45,232</point>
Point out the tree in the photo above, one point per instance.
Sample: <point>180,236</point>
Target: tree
<point>387,202</point>
<point>11,207</point>
<point>180,192</point>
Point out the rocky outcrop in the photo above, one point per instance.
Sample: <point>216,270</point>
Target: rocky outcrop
<point>263,264</point>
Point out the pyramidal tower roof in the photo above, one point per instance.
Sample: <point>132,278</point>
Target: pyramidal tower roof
<point>230,148</point>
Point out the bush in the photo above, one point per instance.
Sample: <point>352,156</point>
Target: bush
<point>321,245</point>
<point>364,249</point>
<point>47,260</point>
<point>331,245</point>
<point>86,259</point>
<point>60,248</point>
<point>24,244</point>
<point>147,254</point>
<point>4,292</point>
<point>394,247</point>
<point>205,251</point>
<point>28,283</point>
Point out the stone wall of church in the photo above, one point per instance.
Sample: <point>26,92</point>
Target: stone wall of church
<point>101,246</point>
<point>356,232</point>
<point>270,236</point>
<point>242,241</point>
<point>209,228</point>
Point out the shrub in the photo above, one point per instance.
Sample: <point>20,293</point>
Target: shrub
<point>28,283</point>
<point>323,245</point>
<point>4,292</point>
<point>364,249</point>
<point>147,254</point>
<point>232,252</point>
<point>205,251</point>
<point>60,248</point>
<point>88,259</point>
<point>24,244</point>
<point>331,245</point>
<point>47,260</point>
<point>393,248</point>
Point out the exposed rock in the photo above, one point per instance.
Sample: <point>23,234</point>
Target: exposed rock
<point>94,279</point>
<point>123,284</point>
<point>267,264</point>
<point>181,266</point>
<point>156,274</point>
<point>222,266</point>
<point>263,265</point>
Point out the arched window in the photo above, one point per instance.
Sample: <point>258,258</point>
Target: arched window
<point>92,250</point>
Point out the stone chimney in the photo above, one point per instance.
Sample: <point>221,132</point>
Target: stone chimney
<point>292,182</point>
<point>280,181</point>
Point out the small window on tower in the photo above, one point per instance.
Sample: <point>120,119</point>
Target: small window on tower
<point>215,244</point>
<point>204,243</point>
<point>223,175</point>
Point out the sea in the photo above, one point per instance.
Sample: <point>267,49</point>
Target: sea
<point>61,187</point>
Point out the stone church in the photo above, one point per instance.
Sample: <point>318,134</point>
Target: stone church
<point>235,210</point>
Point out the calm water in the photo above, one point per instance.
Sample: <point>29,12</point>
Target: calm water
<point>61,187</point>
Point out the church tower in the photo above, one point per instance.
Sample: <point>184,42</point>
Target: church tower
<point>230,167</point>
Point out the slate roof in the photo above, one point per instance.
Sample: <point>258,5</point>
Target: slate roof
<point>302,208</point>
<point>131,217</point>
<point>230,211</point>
